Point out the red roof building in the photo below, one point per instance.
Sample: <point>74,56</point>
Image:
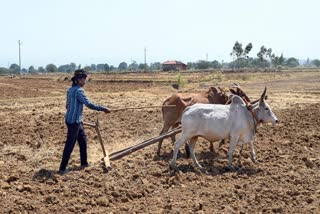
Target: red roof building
<point>173,66</point>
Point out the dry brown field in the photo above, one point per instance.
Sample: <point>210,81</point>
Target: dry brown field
<point>286,178</point>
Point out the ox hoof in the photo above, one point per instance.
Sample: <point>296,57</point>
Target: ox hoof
<point>254,160</point>
<point>204,171</point>
<point>173,167</point>
<point>230,168</point>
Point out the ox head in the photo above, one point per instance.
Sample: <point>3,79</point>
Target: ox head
<point>217,97</point>
<point>264,111</point>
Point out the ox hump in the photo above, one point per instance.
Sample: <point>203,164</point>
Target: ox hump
<point>236,100</point>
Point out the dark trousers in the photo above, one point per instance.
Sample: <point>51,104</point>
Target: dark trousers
<point>75,133</point>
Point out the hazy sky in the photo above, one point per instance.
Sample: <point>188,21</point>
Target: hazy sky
<point>112,31</point>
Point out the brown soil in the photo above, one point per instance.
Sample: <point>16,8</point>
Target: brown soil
<point>286,178</point>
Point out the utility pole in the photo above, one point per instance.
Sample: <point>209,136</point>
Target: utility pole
<point>145,59</point>
<point>207,57</point>
<point>19,43</point>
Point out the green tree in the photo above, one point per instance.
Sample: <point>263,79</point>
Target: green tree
<point>292,62</point>
<point>123,66</point>
<point>155,66</point>
<point>190,65</point>
<point>87,68</point>
<point>141,66</point>
<point>239,52</point>
<point>202,64</point>
<point>41,69</point>
<point>50,68</point>
<point>4,70</point>
<point>106,67</point>
<point>133,66</point>
<point>73,66</point>
<point>100,67</point>
<point>315,62</point>
<point>215,65</point>
<point>32,69</point>
<point>14,68</point>
<point>93,67</point>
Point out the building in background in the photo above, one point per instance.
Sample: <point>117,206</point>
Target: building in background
<point>174,66</point>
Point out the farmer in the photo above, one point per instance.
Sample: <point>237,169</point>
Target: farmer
<point>73,118</point>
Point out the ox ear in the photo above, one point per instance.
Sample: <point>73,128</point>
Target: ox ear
<point>263,94</point>
<point>213,90</point>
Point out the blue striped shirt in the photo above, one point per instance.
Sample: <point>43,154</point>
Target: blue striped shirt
<point>75,100</point>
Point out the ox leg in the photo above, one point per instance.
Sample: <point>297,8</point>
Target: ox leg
<point>233,143</point>
<point>221,143</point>
<point>177,145</point>
<point>192,144</point>
<point>253,154</point>
<point>164,129</point>
<point>187,149</point>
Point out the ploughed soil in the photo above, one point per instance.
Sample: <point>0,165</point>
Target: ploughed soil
<point>285,179</point>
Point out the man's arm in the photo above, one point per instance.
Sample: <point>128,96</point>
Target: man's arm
<point>67,100</point>
<point>83,99</point>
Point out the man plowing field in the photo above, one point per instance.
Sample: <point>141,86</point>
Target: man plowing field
<point>73,118</point>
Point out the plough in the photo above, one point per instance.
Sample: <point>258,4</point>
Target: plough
<point>124,152</point>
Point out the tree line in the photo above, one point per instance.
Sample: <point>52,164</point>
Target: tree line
<point>265,58</point>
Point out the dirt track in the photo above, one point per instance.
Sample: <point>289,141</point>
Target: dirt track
<point>32,131</point>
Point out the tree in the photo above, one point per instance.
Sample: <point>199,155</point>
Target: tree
<point>190,65</point>
<point>50,68</point>
<point>32,69</point>
<point>141,66</point>
<point>133,66</point>
<point>292,62</point>
<point>100,67</point>
<point>24,70</point>
<point>14,68</point>
<point>87,68</point>
<point>106,67</point>
<point>73,66</point>
<point>41,69</point>
<point>4,70</point>
<point>202,64</point>
<point>111,68</point>
<point>123,66</point>
<point>93,67</point>
<point>155,66</point>
<point>239,52</point>
<point>215,64</point>
<point>315,62</point>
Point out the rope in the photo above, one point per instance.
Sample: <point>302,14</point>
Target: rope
<point>143,107</point>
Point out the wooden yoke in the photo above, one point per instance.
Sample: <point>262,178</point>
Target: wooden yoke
<point>105,152</point>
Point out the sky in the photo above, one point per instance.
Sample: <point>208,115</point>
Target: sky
<point>113,31</point>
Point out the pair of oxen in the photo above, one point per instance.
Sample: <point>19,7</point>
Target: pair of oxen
<point>215,115</point>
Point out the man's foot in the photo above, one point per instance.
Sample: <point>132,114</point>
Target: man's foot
<point>85,166</point>
<point>63,172</point>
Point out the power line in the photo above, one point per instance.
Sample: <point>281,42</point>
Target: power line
<point>19,43</point>
<point>145,59</point>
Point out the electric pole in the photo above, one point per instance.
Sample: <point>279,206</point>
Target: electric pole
<point>19,43</point>
<point>145,59</point>
<point>207,57</point>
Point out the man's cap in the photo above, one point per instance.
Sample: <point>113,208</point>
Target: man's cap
<point>78,74</point>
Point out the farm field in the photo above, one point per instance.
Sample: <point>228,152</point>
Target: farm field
<point>285,179</point>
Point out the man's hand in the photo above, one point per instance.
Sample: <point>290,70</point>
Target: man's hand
<point>107,111</point>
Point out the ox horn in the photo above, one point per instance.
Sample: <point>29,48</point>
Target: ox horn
<point>263,94</point>
<point>235,85</point>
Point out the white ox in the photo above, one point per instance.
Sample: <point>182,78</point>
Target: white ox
<point>217,122</point>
